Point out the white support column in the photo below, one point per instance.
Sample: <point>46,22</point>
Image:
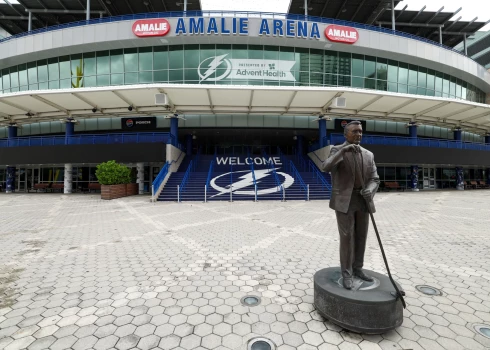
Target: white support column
<point>141,177</point>
<point>88,10</point>
<point>393,15</point>
<point>68,178</point>
<point>29,26</point>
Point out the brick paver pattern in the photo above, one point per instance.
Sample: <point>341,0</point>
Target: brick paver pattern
<point>80,273</point>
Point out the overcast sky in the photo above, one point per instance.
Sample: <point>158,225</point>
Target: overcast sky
<point>471,8</point>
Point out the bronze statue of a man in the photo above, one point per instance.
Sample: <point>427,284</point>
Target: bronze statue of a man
<point>355,181</point>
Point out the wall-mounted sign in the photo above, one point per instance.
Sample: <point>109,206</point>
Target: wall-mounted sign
<point>151,27</point>
<point>341,34</point>
<point>220,67</point>
<point>143,123</point>
<point>240,26</point>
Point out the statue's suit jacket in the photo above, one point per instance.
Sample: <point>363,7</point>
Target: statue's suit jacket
<point>342,168</point>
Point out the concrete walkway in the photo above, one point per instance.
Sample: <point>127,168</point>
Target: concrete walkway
<point>79,273</point>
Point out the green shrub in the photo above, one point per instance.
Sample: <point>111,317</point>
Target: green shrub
<point>112,173</point>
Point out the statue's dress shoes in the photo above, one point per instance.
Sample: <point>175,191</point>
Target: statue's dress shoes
<point>348,282</point>
<point>363,276</point>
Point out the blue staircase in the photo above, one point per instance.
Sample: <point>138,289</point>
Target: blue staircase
<point>275,179</point>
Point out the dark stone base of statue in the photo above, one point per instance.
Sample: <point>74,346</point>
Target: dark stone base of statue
<point>369,307</point>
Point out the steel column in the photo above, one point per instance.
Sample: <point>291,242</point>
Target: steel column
<point>30,22</point>
<point>88,10</point>
<point>393,15</point>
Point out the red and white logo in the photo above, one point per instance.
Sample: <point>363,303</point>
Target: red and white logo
<point>151,27</point>
<point>341,34</point>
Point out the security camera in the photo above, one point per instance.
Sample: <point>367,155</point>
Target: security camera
<point>130,108</point>
<point>94,110</point>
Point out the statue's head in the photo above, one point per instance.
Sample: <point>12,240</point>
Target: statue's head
<point>353,132</point>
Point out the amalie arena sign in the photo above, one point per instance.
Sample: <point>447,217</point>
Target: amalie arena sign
<point>190,26</point>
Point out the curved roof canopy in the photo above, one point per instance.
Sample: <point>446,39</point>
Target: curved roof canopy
<point>28,107</point>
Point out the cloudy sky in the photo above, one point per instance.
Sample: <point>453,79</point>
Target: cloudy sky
<point>471,8</point>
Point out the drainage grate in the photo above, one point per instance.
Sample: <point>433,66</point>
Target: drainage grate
<point>483,329</point>
<point>261,344</point>
<point>250,300</point>
<point>428,290</point>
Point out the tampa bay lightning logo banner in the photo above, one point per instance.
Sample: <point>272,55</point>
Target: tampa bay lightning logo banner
<point>239,181</point>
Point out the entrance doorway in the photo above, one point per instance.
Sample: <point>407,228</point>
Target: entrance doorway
<point>429,178</point>
<point>26,178</point>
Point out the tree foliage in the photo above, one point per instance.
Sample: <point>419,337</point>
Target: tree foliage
<point>112,173</point>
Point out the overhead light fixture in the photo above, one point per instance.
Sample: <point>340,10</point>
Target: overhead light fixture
<point>94,110</point>
<point>130,108</point>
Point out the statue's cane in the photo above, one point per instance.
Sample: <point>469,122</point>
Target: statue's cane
<point>399,295</point>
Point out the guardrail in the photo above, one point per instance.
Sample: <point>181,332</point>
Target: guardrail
<point>231,14</point>
<point>253,173</point>
<point>155,186</point>
<point>270,164</point>
<point>413,141</point>
<point>318,175</point>
<point>87,139</point>
<point>297,177</point>
<point>187,174</point>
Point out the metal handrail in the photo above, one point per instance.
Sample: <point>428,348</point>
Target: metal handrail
<point>413,141</point>
<point>161,176</point>
<point>253,172</point>
<point>234,14</point>
<point>318,175</point>
<point>297,176</point>
<point>88,139</point>
<point>274,174</point>
<point>187,174</point>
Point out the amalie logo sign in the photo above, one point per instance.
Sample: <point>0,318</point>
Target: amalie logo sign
<point>151,27</point>
<point>341,34</point>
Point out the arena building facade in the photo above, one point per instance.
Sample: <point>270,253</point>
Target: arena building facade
<point>238,103</point>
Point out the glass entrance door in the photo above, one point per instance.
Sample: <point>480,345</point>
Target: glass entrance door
<point>429,178</point>
<point>26,178</point>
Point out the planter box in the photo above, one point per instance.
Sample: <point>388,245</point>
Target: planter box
<point>132,189</point>
<point>113,191</point>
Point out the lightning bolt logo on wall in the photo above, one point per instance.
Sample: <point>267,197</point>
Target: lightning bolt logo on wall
<point>246,180</point>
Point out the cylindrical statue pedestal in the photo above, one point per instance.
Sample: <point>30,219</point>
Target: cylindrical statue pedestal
<point>369,307</point>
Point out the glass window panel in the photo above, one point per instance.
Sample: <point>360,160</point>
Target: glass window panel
<point>145,58</point>
<point>103,80</point>
<point>402,88</point>
<point>357,82</point>
<point>256,51</point>
<point>445,85</point>
<point>160,58</point>
<point>358,65</point>
<point>393,87</point>
<point>130,60</point>
<point>331,62</point>
<point>117,79</point>
<point>412,75</point>
<point>285,53</point>
<point>54,84</point>
<point>176,57</point>
<point>89,64</point>
<point>381,85</point>
<point>403,73</point>
<point>160,76</point>
<point>392,71</point>
<point>345,64</point>
<point>53,69</point>
<point>191,56</point>
<point>223,49</point>
<point>431,79</point>
<point>412,90</point>
<point>32,72</point>
<point>370,83</point>
<point>65,71</point>
<point>271,52</point>
<point>87,81</point>
<point>14,77</point>
<point>104,123</point>
<point>117,61</point>
<point>344,80</point>
<point>103,64</point>
<point>42,70</point>
<point>370,67</point>
<point>331,79</point>
<point>130,78</point>
<point>421,91</point>
<point>422,80</point>
<point>382,69</point>
<point>146,77</point>
<point>177,76</point>
<point>316,61</point>
<point>6,80</point>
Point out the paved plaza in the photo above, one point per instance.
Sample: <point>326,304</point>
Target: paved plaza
<point>80,273</point>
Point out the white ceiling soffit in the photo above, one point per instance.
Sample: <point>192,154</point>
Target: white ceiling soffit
<point>27,107</point>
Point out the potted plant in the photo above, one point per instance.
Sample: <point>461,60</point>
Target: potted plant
<point>113,178</point>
